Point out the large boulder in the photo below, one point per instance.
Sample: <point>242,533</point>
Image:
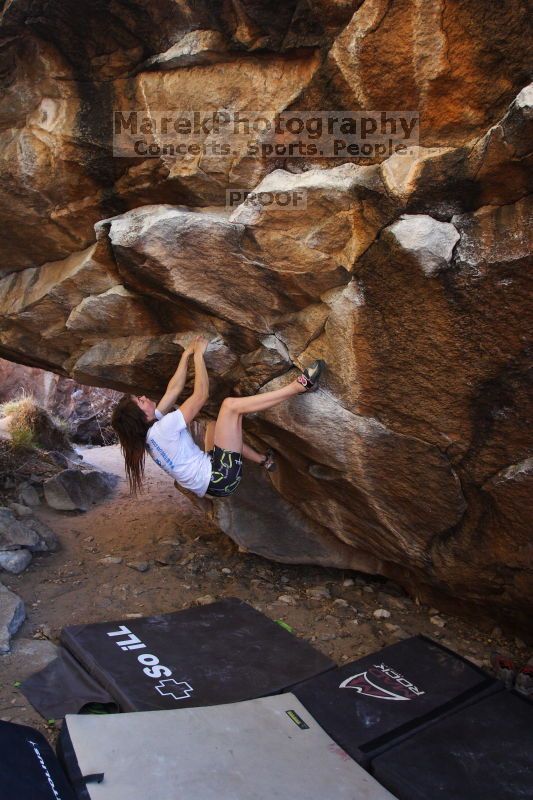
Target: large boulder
<point>445,60</point>
<point>258,519</point>
<point>408,272</point>
<point>77,490</point>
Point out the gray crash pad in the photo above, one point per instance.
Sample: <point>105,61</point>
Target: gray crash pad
<point>255,750</point>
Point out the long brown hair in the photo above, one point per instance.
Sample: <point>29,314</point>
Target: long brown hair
<point>130,423</point>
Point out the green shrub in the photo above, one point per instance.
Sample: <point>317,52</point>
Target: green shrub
<point>22,438</point>
<point>31,426</point>
<point>11,406</point>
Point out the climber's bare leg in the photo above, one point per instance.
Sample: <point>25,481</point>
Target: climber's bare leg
<point>251,454</point>
<point>228,429</point>
<point>247,451</point>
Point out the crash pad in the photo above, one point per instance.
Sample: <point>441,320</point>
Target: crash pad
<point>370,704</point>
<point>29,769</point>
<point>483,752</point>
<point>219,653</point>
<point>65,687</point>
<point>255,750</point>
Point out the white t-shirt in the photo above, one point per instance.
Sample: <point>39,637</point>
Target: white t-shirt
<point>172,447</point>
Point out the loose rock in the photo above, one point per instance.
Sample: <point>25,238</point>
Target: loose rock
<point>47,539</point>
<point>288,599</point>
<point>392,601</point>
<point>21,511</point>
<point>140,566</point>
<point>318,593</point>
<point>12,615</point>
<point>14,561</point>
<point>14,533</point>
<point>34,654</point>
<point>29,496</point>
<point>205,600</point>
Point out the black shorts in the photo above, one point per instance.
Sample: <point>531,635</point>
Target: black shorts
<point>226,473</point>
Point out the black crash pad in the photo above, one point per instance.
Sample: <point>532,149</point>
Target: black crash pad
<point>29,769</point>
<point>220,653</point>
<point>483,752</point>
<point>65,687</point>
<point>370,704</point>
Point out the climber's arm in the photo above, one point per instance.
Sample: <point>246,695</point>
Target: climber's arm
<point>194,404</point>
<point>176,383</point>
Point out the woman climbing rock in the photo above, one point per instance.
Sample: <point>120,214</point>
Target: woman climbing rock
<point>142,426</point>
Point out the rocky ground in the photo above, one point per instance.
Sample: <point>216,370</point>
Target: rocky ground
<point>158,554</point>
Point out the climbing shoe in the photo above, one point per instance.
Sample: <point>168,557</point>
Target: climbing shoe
<point>504,669</point>
<point>269,464</point>
<point>311,376</point>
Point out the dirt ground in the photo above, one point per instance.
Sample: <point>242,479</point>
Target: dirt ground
<point>156,554</point>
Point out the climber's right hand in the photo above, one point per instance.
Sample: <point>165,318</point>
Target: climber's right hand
<point>200,345</point>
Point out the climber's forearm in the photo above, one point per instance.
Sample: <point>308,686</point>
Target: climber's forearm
<point>201,378</point>
<point>194,404</point>
<point>177,382</point>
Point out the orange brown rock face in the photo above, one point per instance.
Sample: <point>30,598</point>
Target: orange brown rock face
<point>410,274</point>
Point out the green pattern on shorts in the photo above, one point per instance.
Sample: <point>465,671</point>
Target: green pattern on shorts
<point>227,473</point>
